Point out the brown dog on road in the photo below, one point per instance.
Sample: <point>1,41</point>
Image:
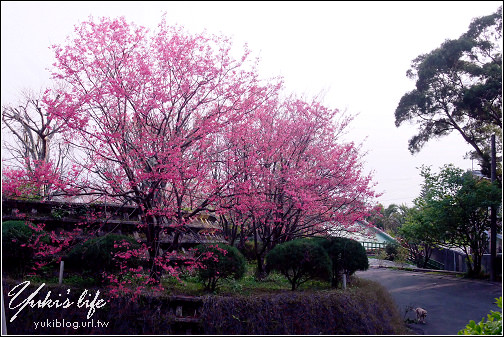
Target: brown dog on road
<point>421,314</point>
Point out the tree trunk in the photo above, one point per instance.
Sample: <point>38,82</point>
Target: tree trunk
<point>261,270</point>
<point>153,247</point>
<point>477,264</point>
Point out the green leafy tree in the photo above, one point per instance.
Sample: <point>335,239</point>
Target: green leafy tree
<point>299,261</point>
<point>459,88</point>
<point>420,234</point>
<point>456,204</point>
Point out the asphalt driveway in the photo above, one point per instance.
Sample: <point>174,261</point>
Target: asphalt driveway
<point>451,302</point>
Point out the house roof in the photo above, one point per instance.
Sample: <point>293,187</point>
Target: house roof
<point>362,231</point>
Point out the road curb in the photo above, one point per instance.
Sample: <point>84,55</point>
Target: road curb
<point>448,272</point>
<point>441,272</point>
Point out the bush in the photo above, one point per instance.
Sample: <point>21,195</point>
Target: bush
<point>16,255</point>
<point>402,255</point>
<point>220,261</point>
<point>299,261</point>
<point>96,255</point>
<point>347,256</point>
<point>493,325</point>
<point>391,249</point>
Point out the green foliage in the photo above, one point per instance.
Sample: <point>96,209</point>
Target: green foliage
<point>347,256</point>
<point>16,254</point>
<point>391,249</point>
<point>459,87</point>
<point>421,234</point>
<point>420,229</point>
<point>220,261</point>
<point>381,256</point>
<point>492,326</point>
<point>80,281</point>
<point>190,284</point>
<point>97,254</point>
<point>454,206</point>
<point>395,252</point>
<point>389,219</point>
<point>59,212</point>
<point>299,261</point>
<point>402,255</point>
<point>248,250</point>
<point>24,190</point>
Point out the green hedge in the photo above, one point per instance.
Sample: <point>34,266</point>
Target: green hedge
<point>96,255</point>
<point>16,255</point>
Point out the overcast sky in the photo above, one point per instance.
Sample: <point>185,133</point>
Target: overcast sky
<point>355,53</point>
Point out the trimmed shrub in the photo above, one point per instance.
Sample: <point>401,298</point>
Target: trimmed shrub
<point>347,256</point>
<point>16,255</point>
<point>299,261</point>
<point>96,255</point>
<point>220,261</point>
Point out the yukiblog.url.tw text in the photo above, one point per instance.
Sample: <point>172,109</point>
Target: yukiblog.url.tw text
<point>56,323</point>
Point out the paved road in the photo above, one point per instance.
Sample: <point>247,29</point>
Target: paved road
<point>451,302</point>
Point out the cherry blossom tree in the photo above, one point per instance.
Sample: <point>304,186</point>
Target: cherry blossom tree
<point>295,177</point>
<point>171,123</point>
<point>144,109</point>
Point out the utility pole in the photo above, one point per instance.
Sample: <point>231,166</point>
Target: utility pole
<point>493,220</point>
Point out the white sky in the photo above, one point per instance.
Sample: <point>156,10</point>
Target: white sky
<point>355,53</point>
